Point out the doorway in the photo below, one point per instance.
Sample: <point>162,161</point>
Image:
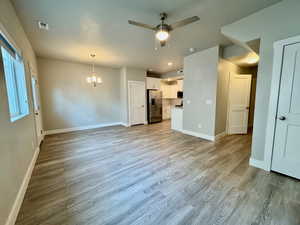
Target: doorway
<point>36,106</point>
<point>239,103</point>
<point>241,100</point>
<point>136,102</point>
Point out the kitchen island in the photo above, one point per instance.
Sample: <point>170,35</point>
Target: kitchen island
<point>177,118</point>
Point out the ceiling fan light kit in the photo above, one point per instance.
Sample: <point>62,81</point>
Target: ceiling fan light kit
<point>162,30</point>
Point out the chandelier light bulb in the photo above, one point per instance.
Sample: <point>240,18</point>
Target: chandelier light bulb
<point>99,80</point>
<point>93,78</point>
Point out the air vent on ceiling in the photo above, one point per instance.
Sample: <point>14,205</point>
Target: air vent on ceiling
<point>43,25</point>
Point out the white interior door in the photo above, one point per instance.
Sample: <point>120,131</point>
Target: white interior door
<point>286,152</point>
<point>137,97</point>
<point>239,100</point>
<point>37,108</point>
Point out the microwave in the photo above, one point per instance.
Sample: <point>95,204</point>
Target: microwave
<point>179,94</point>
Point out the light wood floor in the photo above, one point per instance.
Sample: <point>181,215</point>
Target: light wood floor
<point>152,175</point>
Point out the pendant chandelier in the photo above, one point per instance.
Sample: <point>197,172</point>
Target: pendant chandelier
<point>93,78</point>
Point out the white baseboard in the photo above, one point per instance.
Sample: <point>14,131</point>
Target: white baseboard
<point>258,164</point>
<point>196,134</point>
<point>124,124</point>
<point>21,193</point>
<point>179,130</point>
<point>66,130</point>
<point>220,135</point>
<point>40,139</point>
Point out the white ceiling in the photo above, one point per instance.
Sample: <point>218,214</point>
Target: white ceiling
<point>79,27</point>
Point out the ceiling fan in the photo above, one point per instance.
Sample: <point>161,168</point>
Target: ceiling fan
<point>162,30</point>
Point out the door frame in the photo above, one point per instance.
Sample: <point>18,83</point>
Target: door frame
<point>33,74</point>
<point>129,100</point>
<point>228,99</point>
<point>274,98</point>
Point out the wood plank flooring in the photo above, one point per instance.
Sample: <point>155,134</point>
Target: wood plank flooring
<point>153,175</point>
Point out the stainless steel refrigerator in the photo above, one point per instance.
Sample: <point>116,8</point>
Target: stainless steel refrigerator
<point>154,106</point>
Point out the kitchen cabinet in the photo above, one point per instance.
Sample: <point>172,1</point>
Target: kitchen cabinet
<point>180,85</point>
<point>153,83</point>
<point>176,119</point>
<point>170,90</point>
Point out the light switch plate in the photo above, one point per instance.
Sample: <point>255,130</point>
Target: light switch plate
<point>208,102</point>
<point>188,101</point>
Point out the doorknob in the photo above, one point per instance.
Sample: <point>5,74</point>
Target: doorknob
<point>247,107</point>
<point>282,118</point>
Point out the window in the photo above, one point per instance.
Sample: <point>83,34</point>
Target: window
<point>15,84</point>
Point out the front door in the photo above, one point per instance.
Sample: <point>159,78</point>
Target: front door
<point>37,108</point>
<point>239,100</point>
<point>137,97</point>
<point>286,152</point>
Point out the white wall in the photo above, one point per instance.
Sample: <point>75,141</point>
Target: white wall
<point>274,23</point>
<point>17,140</point>
<point>68,101</point>
<point>200,86</point>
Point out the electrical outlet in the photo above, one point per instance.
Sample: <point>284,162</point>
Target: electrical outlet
<point>199,125</point>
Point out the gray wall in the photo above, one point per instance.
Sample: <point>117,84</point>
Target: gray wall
<point>253,71</point>
<point>18,139</point>
<point>69,101</point>
<point>274,23</point>
<point>128,74</point>
<point>200,85</point>
<point>123,96</point>
<point>234,51</point>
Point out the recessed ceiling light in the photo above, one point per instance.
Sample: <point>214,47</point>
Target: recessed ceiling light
<point>43,26</point>
<point>170,64</point>
<point>252,60</point>
<point>192,49</point>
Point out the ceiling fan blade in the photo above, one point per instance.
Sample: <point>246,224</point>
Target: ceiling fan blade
<point>184,22</point>
<point>141,25</point>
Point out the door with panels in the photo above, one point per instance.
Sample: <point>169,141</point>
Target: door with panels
<point>286,150</point>
<point>238,103</point>
<point>136,100</point>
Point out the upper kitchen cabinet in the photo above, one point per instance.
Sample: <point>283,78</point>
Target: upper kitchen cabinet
<point>170,89</point>
<point>153,83</point>
<point>180,85</point>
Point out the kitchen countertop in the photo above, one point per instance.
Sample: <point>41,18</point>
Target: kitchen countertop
<point>178,107</point>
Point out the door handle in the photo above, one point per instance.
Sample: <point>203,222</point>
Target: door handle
<point>282,118</point>
<point>247,107</point>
